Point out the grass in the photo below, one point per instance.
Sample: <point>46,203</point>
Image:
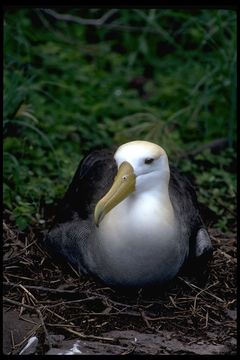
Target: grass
<point>163,75</point>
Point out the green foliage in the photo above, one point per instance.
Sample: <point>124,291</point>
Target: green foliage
<point>168,76</point>
<point>216,184</point>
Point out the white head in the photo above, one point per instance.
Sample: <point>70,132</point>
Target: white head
<point>142,166</point>
<point>149,162</point>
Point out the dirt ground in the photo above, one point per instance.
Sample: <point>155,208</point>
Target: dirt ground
<point>58,310</point>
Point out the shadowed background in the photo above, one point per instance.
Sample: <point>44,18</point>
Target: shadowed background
<point>77,79</point>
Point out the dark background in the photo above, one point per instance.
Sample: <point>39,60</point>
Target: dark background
<point>77,79</point>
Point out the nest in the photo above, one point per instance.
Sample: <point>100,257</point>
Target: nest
<point>76,306</point>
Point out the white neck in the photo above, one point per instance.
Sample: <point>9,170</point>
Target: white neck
<point>138,233</point>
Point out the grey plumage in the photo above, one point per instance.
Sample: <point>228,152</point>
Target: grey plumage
<point>72,235</point>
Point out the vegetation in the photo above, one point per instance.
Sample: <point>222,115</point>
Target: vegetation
<point>168,76</point>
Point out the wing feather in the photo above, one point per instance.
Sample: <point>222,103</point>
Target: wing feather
<point>186,208</point>
<point>93,178</point>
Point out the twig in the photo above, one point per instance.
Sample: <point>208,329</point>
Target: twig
<point>74,301</point>
<point>31,333</point>
<point>108,299</point>
<point>229,257</point>
<point>28,293</point>
<point>21,308</point>
<point>44,328</point>
<point>7,228</point>
<point>90,336</point>
<point>21,277</point>
<point>194,286</point>
<point>95,22</point>
<point>27,246</point>
<point>206,323</point>
<point>129,351</point>
<point>27,320</point>
<point>165,318</point>
<point>74,270</point>
<point>80,334</point>
<point>59,316</point>
<point>126,313</point>
<point>202,290</point>
<point>13,302</point>
<point>79,20</point>
<point>173,302</point>
<point>42,288</point>
<point>145,320</point>
<point>31,308</point>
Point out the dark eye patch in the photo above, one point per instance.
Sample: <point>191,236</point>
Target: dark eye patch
<point>148,160</point>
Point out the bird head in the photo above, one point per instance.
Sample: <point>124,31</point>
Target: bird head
<point>142,166</point>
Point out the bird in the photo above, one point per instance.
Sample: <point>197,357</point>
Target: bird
<point>129,218</point>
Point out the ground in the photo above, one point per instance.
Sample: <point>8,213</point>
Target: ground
<point>58,309</point>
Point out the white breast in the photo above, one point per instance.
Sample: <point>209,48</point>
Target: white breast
<point>138,241</point>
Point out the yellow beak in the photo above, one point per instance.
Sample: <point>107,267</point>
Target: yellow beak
<point>124,184</point>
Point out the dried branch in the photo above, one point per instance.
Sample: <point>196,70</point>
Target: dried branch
<point>44,328</point>
<point>42,288</point>
<point>90,308</point>
<point>34,308</point>
<point>202,290</point>
<point>13,302</point>
<point>79,20</point>
<point>80,334</point>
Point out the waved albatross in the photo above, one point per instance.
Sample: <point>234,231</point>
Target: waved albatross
<point>129,218</point>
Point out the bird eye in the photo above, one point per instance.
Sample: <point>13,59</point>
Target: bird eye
<point>148,160</point>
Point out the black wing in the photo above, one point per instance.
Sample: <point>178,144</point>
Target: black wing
<point>186,207</point>
<point>93,178</point>
<point>73,225</point>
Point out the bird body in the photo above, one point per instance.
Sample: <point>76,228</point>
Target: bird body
<point>138,257</point>
<point>140,228</point>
